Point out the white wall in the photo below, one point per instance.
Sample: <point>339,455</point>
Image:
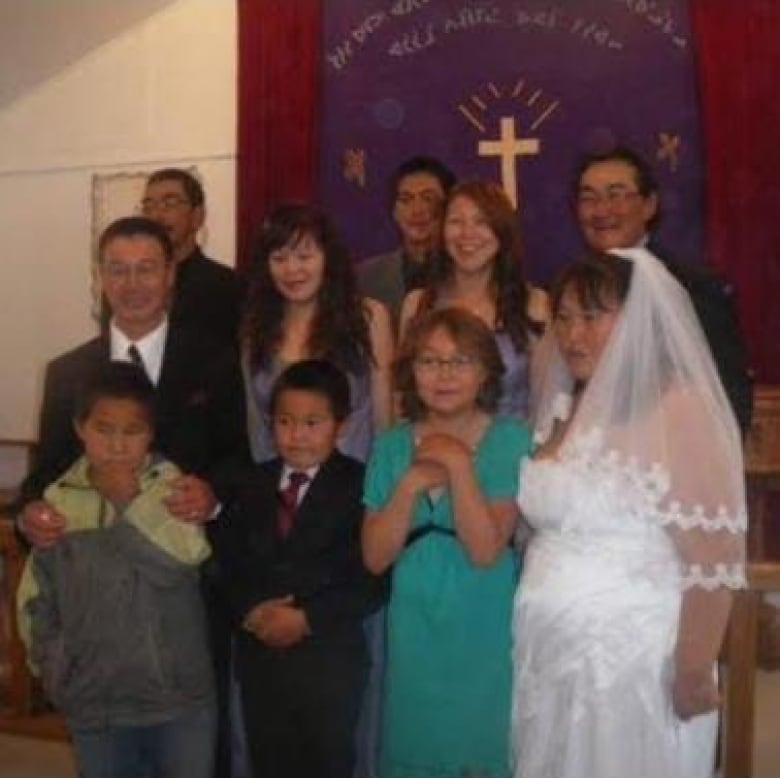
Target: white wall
<point>118,90</point>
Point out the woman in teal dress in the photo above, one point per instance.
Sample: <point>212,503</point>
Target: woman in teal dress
<point>441,511</point>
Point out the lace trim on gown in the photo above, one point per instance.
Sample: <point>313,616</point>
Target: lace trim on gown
<point>715,576</point>
<point>652,486</point>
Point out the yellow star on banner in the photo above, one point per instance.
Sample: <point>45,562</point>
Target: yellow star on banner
<point>669,148</point>
<point>354,166</point>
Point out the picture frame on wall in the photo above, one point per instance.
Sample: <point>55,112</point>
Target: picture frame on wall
<point>115,195</point>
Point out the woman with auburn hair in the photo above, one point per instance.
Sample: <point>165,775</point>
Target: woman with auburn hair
<point>480,270</point>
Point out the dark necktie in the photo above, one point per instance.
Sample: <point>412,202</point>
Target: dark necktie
<point>288,502</point>
<point>134,355</point>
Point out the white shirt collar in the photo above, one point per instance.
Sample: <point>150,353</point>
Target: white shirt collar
<point>151,348</point>
<point>284,481</point>
<point>287,470</point>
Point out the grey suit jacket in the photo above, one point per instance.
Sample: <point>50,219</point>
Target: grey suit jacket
<point>381,277</point>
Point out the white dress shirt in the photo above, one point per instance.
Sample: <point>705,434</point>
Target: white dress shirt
<point>151,347</point>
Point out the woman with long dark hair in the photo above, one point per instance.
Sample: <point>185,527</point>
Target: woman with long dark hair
<point>303,303</point>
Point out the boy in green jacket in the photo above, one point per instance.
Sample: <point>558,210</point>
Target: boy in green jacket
<point>112,613</point>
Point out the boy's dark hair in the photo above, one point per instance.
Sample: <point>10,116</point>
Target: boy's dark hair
<point>317,376</point>
<point>192,187</point>
<point>132,227</point>
<point>117,381</point>
<point>421,164</point>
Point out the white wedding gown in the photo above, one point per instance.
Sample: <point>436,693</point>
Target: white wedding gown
<point>595,622</point>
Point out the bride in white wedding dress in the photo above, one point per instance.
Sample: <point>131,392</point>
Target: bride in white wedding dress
<point>636,501</point>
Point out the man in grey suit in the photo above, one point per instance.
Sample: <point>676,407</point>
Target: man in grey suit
<point>418,190</point>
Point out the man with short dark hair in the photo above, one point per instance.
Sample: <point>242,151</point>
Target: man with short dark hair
<point>207,295</point>
<point>418,190</point>
<point>617,206</point>
<point>201,424</point>
<point>200,393</point>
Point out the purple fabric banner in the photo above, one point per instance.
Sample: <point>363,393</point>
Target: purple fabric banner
<point>511,90</point>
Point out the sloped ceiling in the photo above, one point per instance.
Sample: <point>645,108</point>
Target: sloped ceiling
<point>38,38</point>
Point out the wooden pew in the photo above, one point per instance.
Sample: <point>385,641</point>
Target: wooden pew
<point>740,687</point>
<point>19,685</point>
<point>19,712</point>
<point>762,466</point>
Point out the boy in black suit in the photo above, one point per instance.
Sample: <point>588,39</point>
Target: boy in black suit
<point>298,586</point>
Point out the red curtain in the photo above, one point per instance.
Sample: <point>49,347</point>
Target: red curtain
<point>738,59</point>
<point>279,43</point>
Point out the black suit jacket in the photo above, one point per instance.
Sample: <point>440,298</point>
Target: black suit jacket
<point>319,562</point>
<point>713,299</point>
<point>209,296</point>
<point>200,410</point>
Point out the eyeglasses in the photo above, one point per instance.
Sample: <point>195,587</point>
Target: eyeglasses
<point>612,197</point>
<point>143,272</point>
<point>460,363</point>
<point>167,203</point>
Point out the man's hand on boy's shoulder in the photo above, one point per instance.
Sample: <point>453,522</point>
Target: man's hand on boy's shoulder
<point>277,623</point>
<point>191,499</point>
<point>41,524</point>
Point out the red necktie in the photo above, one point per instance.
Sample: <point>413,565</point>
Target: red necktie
<point>288,502</point>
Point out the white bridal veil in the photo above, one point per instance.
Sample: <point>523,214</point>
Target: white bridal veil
<point>655,412</point>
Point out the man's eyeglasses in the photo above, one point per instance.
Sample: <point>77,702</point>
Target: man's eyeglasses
<point>460,363</point>
<point>167,203</point>
<point>613,197</point>
<point>144,272</point>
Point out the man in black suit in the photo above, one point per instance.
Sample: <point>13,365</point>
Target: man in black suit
<point>207,294</point>
<point>200,400</point>
<point>199,391</point>
<point>617,206</point>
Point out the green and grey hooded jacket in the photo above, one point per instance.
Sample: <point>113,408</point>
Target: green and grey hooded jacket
<point>112,614</point>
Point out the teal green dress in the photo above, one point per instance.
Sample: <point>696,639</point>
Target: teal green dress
<point>448,678</point>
